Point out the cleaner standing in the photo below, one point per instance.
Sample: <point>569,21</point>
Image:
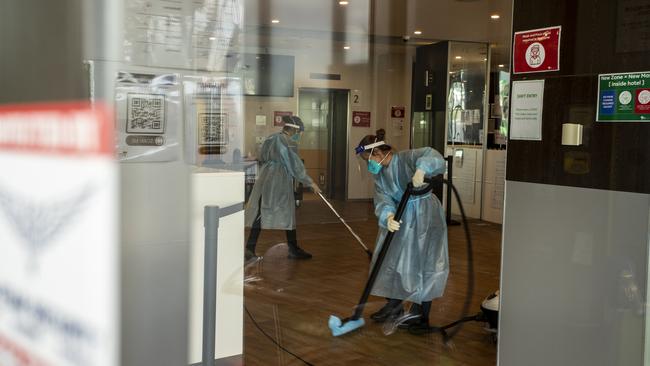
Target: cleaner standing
<point>272,202</point>
<point>416,266</point>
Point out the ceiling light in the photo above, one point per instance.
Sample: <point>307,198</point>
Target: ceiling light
<point>495,16</point>
<point>346,47</point>
<point>213,38</point>
<point>343,2</point>
<point>275,21</point>
<point>484,58</point>
<point>418,32</point>
<point>458,57</point>
<point>502,65</point>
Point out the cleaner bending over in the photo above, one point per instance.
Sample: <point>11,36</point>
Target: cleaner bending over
<point>272,203</point>
<point>416,265</point>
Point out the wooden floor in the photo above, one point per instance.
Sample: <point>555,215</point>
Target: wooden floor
<point>292,300</point>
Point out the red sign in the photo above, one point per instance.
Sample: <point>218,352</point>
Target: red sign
<point>57,128</point>
<point>537,50</point>
<point>397,112</point>
<point>277,117</point>
<point>642,103</point>
<point>360,119</point>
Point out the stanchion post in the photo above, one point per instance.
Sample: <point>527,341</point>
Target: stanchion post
<point>450,173</point>
<point>211,216</point>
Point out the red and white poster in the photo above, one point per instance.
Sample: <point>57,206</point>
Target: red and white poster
<point>360,119</point>
<point>277,117</point>
<point>58,236</point>
<point>537,50</point>
<point>397,112</point>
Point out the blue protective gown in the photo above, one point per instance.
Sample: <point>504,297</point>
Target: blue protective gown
<point>417,263</point>
<point>274,184</point>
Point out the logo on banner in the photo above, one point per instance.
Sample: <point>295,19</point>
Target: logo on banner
<point>535,55</point>
<point>39,224</point>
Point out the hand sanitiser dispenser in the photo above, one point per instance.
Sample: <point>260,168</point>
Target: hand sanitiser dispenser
<point>571,134</point>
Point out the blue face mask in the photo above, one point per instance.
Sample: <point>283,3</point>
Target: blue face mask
<point>296,137</point>
<point>374,167</point>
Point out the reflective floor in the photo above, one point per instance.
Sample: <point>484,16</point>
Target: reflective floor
<point>292,300</point>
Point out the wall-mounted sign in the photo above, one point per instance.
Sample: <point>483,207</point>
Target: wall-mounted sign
<point>428,102</point>
<point>360,119</point>
<point>148,117</point>
<point>58,224</point>
<point>624,97</point>
<point>277,117</point>
<point>260,120</point>
<point>397,112</point>
<point>526,109</point>
<point>357,98</point>
<point>537,50</point>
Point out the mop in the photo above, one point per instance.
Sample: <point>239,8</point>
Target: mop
<point>340,327</point>
<point>346,225</point>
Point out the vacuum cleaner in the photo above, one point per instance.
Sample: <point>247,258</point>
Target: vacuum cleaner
<point>489,308</point>
<point>347,325</point>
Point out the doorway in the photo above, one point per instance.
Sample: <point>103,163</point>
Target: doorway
<point>324,144</point>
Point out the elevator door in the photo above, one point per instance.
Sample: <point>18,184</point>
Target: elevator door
<point>324,143</point>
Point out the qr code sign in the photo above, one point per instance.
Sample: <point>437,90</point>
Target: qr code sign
<point>145,113</point>
<point>212,128</point>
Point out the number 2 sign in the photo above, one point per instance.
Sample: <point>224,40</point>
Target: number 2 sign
<point>357,98</point>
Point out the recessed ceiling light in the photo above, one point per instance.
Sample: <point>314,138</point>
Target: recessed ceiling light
<point>275,21</point>
<point>485,59</point>
<point>346,47</point>
<point>502,65</point>
<point>458,57</point>
<point>213,38</point>
<point>495,16</point>
<point>417,32</point>
<point>343,2</point>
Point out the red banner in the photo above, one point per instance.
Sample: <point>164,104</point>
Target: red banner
<point>360,119</point>
<point>74,128</point>
<point>397,112</point>
<point>277,117</point>
<point>537,50</point>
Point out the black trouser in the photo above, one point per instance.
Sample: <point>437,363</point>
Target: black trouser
<point>256,229</point>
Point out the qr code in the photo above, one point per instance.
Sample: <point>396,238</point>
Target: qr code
<point>212,129</point>
<point>145,113</point>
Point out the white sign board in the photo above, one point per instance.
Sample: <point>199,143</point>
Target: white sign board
<point>58,261</point>
<point>526,110</point>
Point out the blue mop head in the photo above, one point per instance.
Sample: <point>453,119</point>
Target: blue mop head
<point>338,328</point>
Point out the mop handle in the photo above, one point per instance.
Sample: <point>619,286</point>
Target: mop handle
<point>343,222</point>
<point>410,191</point>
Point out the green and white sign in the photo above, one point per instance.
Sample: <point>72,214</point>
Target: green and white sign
<point>624,97</point>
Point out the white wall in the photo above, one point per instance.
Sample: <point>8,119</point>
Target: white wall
<point>382,73</point>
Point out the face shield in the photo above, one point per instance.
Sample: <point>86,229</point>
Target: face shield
<point>296,132</point>
<point>364,154</point>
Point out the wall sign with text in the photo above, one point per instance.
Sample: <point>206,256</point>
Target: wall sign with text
<point>59,241</point>
<point>537,50</point>
<point>624,97</point>
<point>277,117</point>
<point>360,119</point>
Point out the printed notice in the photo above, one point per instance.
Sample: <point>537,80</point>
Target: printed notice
<point>624,97</point>
<point>526,108</point>
<point>58,223</point>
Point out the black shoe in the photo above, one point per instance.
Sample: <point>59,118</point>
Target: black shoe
<point>389,311</point>
<point>250,256</point>
<point>413,320</point>
<point>298,253</point>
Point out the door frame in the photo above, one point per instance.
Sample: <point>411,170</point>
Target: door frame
<point>347,124</point>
